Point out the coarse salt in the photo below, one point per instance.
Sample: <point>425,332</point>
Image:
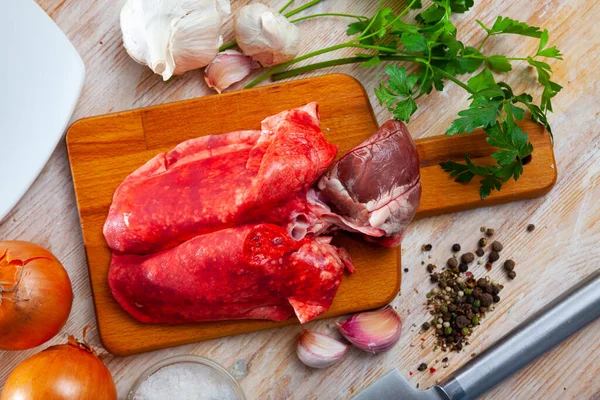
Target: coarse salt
<point>186,381</point>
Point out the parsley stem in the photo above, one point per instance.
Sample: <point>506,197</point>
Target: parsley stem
<point>446,75</point>
<point>302,8</point>
<point>332,63</point>
<point>289,3</point>
<point>283,66</point>
<point>483,42</point>
<point>358,17</point>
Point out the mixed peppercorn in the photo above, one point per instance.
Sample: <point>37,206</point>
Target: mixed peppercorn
<point>459,300</point>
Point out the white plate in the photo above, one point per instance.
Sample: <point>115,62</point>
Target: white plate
<point>41,76</point>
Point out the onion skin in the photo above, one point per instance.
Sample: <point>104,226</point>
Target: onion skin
<point>35,297</point>
<point>65,372</point>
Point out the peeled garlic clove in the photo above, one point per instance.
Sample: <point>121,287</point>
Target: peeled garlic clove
<point>172,36</point>
<point>374,331</point>
<point>318,350</point>
<point>265,35</point>
<point>227,68</point>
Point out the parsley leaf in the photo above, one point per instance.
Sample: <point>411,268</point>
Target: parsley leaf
<point>398,95</point>
<point>508,25</point>
<point>482,112</point>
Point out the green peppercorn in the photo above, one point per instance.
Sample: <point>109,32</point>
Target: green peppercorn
<point>448,331</point>
<point>468,291</point>
<point>428,295</point>
<point>482,242</point>
<point>465,331</point>
<point>444,308</point>
<point>475,321</point>
<point>453,315</point>
<point>477,303</point>
<point>489,232</point>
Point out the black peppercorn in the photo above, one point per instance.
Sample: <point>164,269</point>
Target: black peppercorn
<point>496,298</point>
<point>497,246</point>
<point>467,258</point>
<point>452,262</point>
<point>434,278</point>
<point>427,247</point>
<point>426,326</point>
<point>456,247</point>
<point>512,274</point>
<point>480,252</point>
<point>463,267</point>
<point>470,299</point>
<point>530,227</point>
<point>486,299</point>
<point>495,290</point>
<point>430,268</point>
<point>482,242</point>
<point>493,257</point>
<point>405,269</point>
<point>422,367</point>
<point>509,265</point>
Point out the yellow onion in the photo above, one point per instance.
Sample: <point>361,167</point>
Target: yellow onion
<point>65,372</point>
<point>373,331</point>
<point>35,295</point>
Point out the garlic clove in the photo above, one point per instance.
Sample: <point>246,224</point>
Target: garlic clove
<point>227,68</point>
<point>374,331</point>
<point>265,35</point>
<point>318,350</point>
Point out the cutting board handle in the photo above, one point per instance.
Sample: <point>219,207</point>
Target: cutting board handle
<point>442,195</point>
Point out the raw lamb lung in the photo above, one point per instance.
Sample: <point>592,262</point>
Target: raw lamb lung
<point>218,181</point>
<point>251,271</point>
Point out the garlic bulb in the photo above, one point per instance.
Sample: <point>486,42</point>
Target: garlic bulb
<point>173,36</point>
<point>373,331</point>
<point>318,350</point>
<point>265,35</point>
<point>227,68</point>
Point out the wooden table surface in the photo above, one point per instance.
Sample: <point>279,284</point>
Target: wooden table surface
<point>561,251</point>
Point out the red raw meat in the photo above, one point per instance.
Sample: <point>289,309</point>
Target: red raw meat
<point>219,181</point>
<point>374,189</point>
<point>251,271</point>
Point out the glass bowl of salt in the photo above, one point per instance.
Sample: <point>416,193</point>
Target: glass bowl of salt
<point>186,378</point>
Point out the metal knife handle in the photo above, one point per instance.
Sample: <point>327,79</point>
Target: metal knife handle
<point>567,314</point>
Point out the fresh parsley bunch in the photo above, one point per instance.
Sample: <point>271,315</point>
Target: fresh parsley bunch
<point>431,42</point>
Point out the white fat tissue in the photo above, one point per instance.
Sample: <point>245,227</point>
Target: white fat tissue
<point>186,381</point>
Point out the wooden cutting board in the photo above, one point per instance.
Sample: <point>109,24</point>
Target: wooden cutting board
<point>103,150</point>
